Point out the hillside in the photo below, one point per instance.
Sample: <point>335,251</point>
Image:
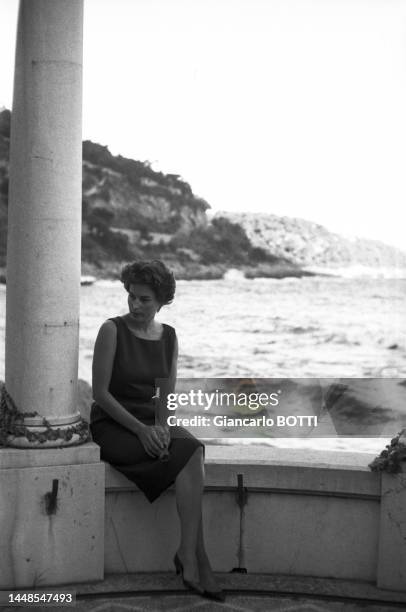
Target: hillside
<point>310,244</point>
<point>131,211</point>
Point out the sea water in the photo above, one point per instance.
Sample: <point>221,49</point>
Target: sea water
<point>309,327</point>
<point>313,327</point>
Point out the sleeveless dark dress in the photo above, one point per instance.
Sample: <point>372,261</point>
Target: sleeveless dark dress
<point>137,364</point>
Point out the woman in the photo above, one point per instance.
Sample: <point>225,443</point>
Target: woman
<point>131,353</point>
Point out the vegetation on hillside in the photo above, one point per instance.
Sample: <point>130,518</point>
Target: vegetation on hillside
<point>221,242</point>
<point>141,176</point>
<point>131,211</point>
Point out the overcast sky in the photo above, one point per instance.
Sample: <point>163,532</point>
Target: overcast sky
<point>292,107</point>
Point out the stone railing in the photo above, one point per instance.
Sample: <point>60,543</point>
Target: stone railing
<point>301,513</point>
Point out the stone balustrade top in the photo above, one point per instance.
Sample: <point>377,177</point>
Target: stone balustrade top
<point>299,471</point>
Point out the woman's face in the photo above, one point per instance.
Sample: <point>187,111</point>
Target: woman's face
<point>142,303</point>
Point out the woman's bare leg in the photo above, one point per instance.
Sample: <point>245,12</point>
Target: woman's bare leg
<point>207,578</point>
<point>189,492</point>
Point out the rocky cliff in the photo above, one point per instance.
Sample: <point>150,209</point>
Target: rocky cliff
<point>131,211</point>
<point>310,244</point>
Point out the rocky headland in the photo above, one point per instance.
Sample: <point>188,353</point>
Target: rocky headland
<point>310,244</point>
<point>131,211</point>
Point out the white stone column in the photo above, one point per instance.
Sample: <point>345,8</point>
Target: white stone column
<point>44,217</point>
<point>51,499</point>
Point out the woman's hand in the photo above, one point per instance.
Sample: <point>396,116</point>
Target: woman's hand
<point>163,433</point>
<point>151,440</point>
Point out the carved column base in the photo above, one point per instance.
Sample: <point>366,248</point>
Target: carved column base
<point>37,432</point>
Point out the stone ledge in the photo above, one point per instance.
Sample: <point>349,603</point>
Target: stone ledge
<point>280,470</point>
<point>11,458</point>
<point>265,583</point>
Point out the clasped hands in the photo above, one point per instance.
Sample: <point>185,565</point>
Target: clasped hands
<point>155,439</point>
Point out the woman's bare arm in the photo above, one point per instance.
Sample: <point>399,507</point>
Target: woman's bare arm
<point>168,385</point>
<point>103,359</point>
<point>174,368</point>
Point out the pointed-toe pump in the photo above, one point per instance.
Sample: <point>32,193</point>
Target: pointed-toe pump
<point>192,586</point>
<point>215,595</point>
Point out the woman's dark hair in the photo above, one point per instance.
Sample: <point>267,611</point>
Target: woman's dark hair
<point>154,274</point>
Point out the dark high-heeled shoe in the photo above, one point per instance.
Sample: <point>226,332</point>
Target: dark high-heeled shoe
<point>192,586</point>
<point>215,595</point>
